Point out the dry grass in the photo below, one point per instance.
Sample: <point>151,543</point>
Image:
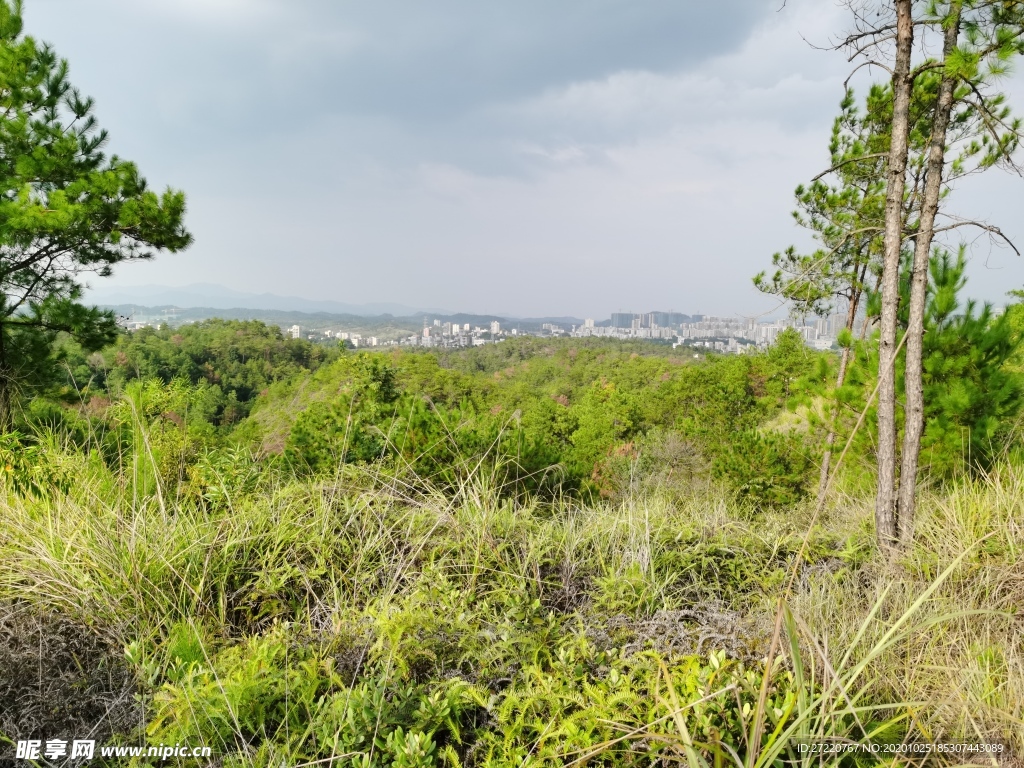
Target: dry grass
<point>965,664</point>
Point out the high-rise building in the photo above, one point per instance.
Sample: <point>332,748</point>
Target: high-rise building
<point>295,332</point>
<point>622,319</point>
<point>668,319</point>
<point>495,327</point>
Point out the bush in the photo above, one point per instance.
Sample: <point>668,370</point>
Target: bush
<point>769,469</point>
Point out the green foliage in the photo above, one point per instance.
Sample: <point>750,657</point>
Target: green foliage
<point>232,361</point>
<point>66,209</point>
<point>26,466</point>
<point>971,398</point>
<point>22,470</point>
<point>571,419</point>
<point>283,621</point>
<point>271,694</point>
<point>375,590</point>
<point>551,417</point>
<point>972,392</point>
<point>767,469</point>
<point>152,434</point>
<point>547,417</point>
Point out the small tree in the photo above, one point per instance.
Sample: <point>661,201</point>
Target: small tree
<point>972,391</point>
<point>978,40</point>
<point>971,395</point>
<point>888,35</point>
<point>66,210</point>
<point>845,216</point>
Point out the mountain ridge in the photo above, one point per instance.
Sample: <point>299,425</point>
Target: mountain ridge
<point>215,296</point>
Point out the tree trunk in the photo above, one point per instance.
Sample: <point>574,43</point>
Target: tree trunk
<point>885,499</point>
<point>6,417</point>
<point>935,162</point>
<point>6,394</point>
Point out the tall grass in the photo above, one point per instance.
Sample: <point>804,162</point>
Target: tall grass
<point>350,619</point>
<point>967,661</point>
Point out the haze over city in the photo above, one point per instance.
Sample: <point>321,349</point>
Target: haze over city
<point>525,159</point>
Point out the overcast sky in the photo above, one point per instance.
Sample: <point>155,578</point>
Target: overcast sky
<point>521,157</point>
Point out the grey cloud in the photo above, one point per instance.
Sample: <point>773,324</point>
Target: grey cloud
<point>341,81</point>
<point>446,57</point>
<point>421,60</point>
<point>531,157</point>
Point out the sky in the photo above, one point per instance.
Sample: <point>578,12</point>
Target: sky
<point>520,157</point>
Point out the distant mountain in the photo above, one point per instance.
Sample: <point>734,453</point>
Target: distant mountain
<point>175,314</point>
<point>214,296</point>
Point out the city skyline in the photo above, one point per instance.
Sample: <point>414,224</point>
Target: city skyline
<point>729,335</point>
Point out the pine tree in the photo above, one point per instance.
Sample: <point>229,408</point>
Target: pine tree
<point>970,393</point>
<point>66,210</point>
<point>845,215</point>
<point>979,38</point>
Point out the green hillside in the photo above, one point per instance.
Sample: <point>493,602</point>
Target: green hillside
<point>532,553</point>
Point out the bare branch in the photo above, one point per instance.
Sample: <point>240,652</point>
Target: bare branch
<point>868,63</point>
<point>31,288</point>
<point>991,229</point>
<point>928,66</point>
<point>859,51</point>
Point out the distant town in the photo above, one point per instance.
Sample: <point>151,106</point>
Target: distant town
<point>704,333</point>
<point>369,326</point>
<point>719,334</point>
